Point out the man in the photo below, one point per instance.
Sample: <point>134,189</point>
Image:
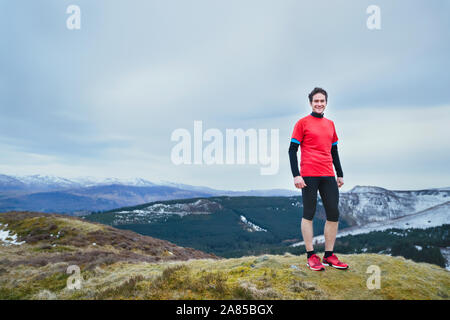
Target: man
<point>316,135</point>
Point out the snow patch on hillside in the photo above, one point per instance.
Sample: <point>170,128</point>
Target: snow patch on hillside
<point>7,237</point>
<point>251,226</point>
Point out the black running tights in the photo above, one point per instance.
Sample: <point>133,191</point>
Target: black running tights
<point>329,193</point>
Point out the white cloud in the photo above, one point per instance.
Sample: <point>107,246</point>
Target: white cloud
<point>137,71</point>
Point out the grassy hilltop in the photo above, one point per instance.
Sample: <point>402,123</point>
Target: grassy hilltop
<point>119,264</point>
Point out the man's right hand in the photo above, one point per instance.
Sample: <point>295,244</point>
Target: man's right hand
<point>299,182</point>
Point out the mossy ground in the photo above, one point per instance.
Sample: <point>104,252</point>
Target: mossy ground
<point>118,264</point>
<point>264,277</point>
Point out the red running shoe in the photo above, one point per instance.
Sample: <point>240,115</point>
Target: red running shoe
<point>334,262</point>
<point>314,263</point>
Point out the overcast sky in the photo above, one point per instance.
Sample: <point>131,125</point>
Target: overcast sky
<point>104,100</point>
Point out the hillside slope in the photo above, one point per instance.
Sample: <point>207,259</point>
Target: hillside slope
<point>36,250</point>
<point>35,239</point>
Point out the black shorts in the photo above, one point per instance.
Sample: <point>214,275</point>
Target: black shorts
<point>329,193</point>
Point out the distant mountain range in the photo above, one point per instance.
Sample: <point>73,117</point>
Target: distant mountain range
<point>79,196</point>
<point>227,223</point>
<point>361,206</point>
<point>233,226</point>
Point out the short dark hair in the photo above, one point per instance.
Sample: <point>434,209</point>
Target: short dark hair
<point>315,91</point>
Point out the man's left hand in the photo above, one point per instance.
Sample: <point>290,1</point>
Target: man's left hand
<point>340,182</point>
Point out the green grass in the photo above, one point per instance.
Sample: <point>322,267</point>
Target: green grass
<point>281,276</point>
<point>263,277</point>
<point>29,287</point>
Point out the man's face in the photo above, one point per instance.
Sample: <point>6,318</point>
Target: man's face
<point>319,103</point>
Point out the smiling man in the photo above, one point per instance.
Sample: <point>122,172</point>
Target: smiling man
<point>316,135</point>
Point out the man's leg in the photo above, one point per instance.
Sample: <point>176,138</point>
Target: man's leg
<point>330,233</point>
<point>309,197</point>
<point>329,193</point>
<point>307,234</point>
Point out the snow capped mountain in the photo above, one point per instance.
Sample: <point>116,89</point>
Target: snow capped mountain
<point>447,189</point>
<point>364,189</point>
<point>216,192</point>
<point>187,187</point>
<point>46,183</point>
<point>431,217</point>
<point>10,183</point>
<point>8,179</point>
<point>40,182</point>
<point>34,183</point>
<point>365,204</point>
<point>359,206</point>
<point>88,181</point>
<point>91,181</point>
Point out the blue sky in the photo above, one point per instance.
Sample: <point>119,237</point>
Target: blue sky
<point>104,100</point>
